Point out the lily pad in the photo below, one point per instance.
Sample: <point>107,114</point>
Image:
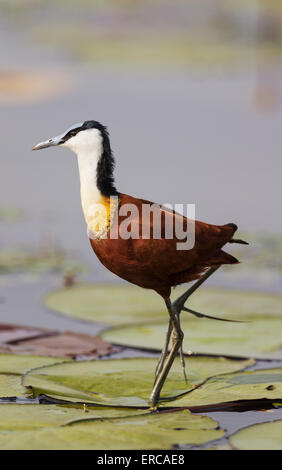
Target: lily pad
<point>150,431</point>
<point>10,334</point>
<point>259,336</point>
<point>262,436</point>
<point>122,382</point>
<point>10,386</point>
<point>18,365</point>
<point>66,344</point>
<point>15,417</point>
<point>246,385</point>
<point>107,304</point>
<point>12,368</point>
<point>126,304</point>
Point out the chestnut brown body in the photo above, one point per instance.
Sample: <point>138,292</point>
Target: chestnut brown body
<point>156,263</point>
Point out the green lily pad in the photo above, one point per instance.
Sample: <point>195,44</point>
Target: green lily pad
<point>246,385</point>
<point>12,367</point>
<point>15,417</point>
<point>146,431</point>
<point>120,304</point>
<point>262,436</point>
<point>108,304</point>
<point>10,386</point>
<point>259,337</point>
<point>18,365</point>
<point>122,382</point>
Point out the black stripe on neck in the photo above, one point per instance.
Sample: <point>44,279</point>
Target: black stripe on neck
<point>106,163</point>
<point>105,167</point>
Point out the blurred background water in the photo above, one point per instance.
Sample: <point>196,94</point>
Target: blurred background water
<point>191,92</point>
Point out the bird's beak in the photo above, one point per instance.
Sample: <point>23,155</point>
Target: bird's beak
<point>49,143</point>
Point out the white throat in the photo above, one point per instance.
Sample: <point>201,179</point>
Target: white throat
<point>90,194</point>
<point>88,146</point>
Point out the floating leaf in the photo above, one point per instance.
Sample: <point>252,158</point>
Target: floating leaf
<point>13,333</point>
<point>10,386</point>
<point>235,304</point>
<point>17,365</point>
<point>247,385</point>
<point>262,436</point>
<point>260,337</point>
<point>11,369</point>
<point>108,304</point>
<point>121,382</point>
<point>15,417</point>
<point>121,304</point>
<point>65,344</point>
<point>150,431</point>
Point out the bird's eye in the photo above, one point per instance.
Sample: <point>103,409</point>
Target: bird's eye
<point>72,134</point>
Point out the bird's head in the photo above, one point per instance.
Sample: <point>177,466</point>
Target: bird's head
<point>80,138</point>
<point>90,141</point>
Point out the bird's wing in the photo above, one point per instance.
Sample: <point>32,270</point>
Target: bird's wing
<point>167,254</point>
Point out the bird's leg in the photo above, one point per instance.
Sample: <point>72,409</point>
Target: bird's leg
<point>177,338</point>
<point>181,353</point>
<point>178,304</point>
<point>164,352</point>
<point>177,307</point>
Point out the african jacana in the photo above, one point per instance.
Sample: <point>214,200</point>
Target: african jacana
<point>147,262</point>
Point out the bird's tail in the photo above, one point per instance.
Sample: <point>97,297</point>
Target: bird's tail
<point>234,227</point>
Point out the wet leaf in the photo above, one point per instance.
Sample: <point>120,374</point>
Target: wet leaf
<point>125,304</point>
<point>246,385</point>
<point>108,304</point>
<point>262,436</point>
<point>10,386</point>
<point>13,333</point>
<point>17,365</point>
<point>259,337</point>
<point>11,369</point>
<point>150,431</point>
<point>121,382</point>
<point>16,417</point>
<point>65,344</point>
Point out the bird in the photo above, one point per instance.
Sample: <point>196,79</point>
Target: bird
<point>127,247</point>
